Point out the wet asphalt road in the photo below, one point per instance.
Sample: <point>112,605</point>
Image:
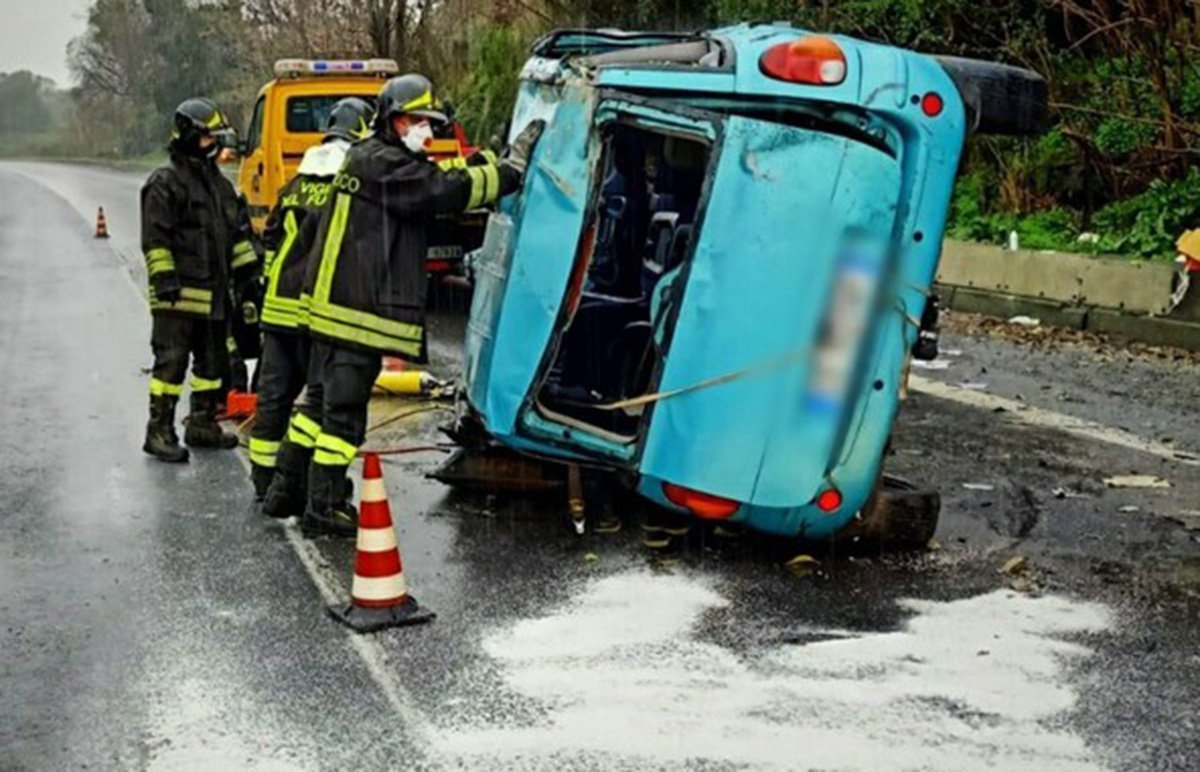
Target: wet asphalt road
<point>150,619</point>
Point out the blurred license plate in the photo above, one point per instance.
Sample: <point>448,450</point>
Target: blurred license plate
<point>449,252</point>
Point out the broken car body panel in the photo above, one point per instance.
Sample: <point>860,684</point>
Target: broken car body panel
<point>784,240</point>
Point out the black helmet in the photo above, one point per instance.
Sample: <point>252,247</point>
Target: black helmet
<point>410,94</point>
<point>199,117</point>
<point>350,119</point>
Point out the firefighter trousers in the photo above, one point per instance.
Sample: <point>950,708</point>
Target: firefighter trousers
<point>339,385</point>
<point>282,371</point>
<point>177,337</point>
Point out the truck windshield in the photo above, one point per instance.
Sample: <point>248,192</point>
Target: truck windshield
<point>308,114</point>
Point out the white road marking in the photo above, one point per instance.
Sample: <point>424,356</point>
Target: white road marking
<point>1035,416</point>
<point>369,650</point>
<point>626,680</point>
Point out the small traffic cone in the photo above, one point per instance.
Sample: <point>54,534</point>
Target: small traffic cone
<point>379,596</point>
<point>101,225</point>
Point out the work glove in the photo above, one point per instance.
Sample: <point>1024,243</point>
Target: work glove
<point>516,158</point>
<point>250,296</point>
<point>166,286</point>
<point>483,158</point>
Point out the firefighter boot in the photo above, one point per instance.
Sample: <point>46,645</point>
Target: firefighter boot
<point>161,440</point>
<point>328,512</point>
<point>261,476</point>
<point>203,431</point>
<point>289,488</point>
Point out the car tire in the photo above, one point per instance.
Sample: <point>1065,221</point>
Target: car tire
<point>1000,98</point>
<point>899,517</point>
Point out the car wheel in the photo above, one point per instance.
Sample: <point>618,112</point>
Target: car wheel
<point>898,516</point>
<point>1000,98</point>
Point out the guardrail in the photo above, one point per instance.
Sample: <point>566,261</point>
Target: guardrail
<point>1129,299</point>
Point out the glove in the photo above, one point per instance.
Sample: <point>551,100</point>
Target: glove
<point>249,295</point>
<point>482,158</point>
<point>516,158</point>
<point>517,155</point>
<point>166,286</point>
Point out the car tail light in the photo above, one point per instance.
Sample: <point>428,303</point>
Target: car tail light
<point>703,505</point>
<point>815,60</point>
<point>932,104</point>
<point>829,500</point>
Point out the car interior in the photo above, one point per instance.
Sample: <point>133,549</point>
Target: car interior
<point>643,221</point>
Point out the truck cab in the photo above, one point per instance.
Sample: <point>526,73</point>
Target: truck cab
<point>288,118</point>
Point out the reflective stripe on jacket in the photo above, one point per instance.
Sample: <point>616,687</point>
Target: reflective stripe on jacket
<point>367,280</point>
<point>289,233</point>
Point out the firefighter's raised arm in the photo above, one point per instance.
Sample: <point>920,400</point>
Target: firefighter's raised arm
<point>458,185</point>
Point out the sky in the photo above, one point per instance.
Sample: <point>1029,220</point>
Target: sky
<point>34,35</point>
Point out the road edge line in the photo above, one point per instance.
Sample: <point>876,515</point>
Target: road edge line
<point>372,654</point>
<point>1021,412</point>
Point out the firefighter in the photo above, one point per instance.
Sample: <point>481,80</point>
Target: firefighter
<point>196,239</point>
<point>288,235</point>
<point>367,280</point>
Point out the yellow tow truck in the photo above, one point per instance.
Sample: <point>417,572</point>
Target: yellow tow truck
<point>288,118</point>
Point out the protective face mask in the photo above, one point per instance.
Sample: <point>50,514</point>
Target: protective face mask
<point>417,136</point>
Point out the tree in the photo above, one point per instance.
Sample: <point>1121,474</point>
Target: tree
<point>25,99</point>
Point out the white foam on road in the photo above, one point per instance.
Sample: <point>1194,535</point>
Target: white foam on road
<point>1023,413</point>
<point>627,682</point>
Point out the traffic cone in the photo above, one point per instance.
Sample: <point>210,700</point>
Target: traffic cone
<point>101,225</point>
<point>379,596</point>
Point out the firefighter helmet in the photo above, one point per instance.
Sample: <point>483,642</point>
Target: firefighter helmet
<point>350,119</point>
<point>196,118</point>
<point>410,94</point>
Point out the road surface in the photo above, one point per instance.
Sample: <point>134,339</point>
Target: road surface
<point>152,620</point>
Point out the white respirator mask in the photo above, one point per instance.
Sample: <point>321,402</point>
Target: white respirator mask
<point>418,136</point>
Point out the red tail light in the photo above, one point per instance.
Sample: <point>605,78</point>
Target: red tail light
<point>703,505</point>
<point>829,500</point>
<point>815,60</point>
<point>932,104</point>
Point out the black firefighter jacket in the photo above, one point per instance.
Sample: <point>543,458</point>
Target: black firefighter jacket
<point>195,226</point>
<point>367,281</point>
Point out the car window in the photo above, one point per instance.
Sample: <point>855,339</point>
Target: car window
<point>308,114</point>
<point>254,133</point>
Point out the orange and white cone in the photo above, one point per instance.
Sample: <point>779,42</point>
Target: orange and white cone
<point>379,596</point>
<point>101,224</point>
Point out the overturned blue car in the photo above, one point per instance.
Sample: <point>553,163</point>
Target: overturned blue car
<point>713,279</point>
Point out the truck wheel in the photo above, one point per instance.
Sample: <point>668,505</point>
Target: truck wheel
<point>898,516</point>
<point>1000,99</point>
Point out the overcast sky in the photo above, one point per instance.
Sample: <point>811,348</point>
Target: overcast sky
<point>34,35</point>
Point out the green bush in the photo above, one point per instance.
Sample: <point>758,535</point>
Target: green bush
<point>1147,225</point>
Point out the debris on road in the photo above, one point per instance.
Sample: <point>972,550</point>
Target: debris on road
<point>1025,321</point>
<point>1136,481</point>
<point>978,487</point>
<point>936,364</point>
<point>1067,493</point>
<point>1020,576</point>
<point>1129,509</point>
<point>1015,566</point>
<point>802,566</point>
<point>1048,337</point>
<point>1189,519</point>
